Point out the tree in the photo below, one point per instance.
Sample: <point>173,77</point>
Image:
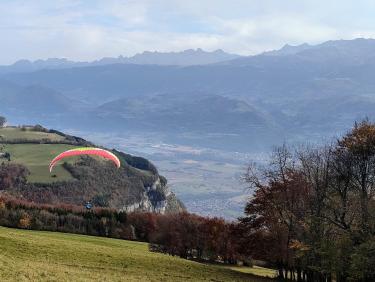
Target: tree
<point>356,154</point>
<point>314,209</point>
<point>363,261</point>
<point>276,210</point>
<point>12,176</point>
<point>25,221</point>
<point>2,121</point>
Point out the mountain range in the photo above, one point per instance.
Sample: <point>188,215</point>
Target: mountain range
<point>303,89</point>
<point>184,58</point>
<point>297,94</point>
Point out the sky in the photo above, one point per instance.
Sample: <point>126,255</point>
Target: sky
<point>91,29</point>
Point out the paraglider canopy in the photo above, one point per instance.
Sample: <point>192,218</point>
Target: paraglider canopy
<point>86,151</point>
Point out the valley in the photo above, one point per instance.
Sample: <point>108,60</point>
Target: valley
<point>208,181</point>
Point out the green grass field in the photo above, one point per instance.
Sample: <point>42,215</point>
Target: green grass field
<point>257,270</point>
<point>46,256</point>
<point>10,133</point>
<point>36,157</point>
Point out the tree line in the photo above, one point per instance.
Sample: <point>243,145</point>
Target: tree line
<point>313,210</point>
<point>180,234</point>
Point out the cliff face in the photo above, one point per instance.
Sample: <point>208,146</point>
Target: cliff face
<point>156,195</point>
<point>156,198</point>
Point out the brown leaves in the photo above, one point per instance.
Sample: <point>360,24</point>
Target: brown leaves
<point>12,175</point>
<point>360,140</point>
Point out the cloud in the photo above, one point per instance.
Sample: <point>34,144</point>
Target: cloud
<point>87,30</point>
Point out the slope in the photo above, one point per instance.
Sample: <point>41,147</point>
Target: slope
<point>137,184</point>
<point>68,257</point>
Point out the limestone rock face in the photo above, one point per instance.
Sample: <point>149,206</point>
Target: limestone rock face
<point>156,198</point>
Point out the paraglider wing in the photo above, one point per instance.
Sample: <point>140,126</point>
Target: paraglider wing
<point>86,151</point>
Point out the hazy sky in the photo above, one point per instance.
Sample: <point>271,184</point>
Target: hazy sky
<point>87,30</point>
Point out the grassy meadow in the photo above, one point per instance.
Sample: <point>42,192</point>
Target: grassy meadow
<point>46,256</point>
<point>36,157</point>
<point>11,133</point>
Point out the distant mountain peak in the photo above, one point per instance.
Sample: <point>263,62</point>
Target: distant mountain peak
<point>288,49</point>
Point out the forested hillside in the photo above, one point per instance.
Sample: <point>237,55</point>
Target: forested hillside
<point>26,153</point>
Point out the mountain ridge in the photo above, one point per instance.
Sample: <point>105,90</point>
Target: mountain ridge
<point>186,57</point>
<point>279,85</point>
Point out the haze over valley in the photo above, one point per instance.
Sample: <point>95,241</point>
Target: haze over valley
<point>199,116</point>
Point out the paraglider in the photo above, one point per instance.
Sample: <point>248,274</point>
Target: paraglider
<point>86,151</point>
<point>88,205</point>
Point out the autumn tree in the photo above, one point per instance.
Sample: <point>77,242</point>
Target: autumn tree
<point>314,208</point>
<point>12,175</point>
<point>276,210</point>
